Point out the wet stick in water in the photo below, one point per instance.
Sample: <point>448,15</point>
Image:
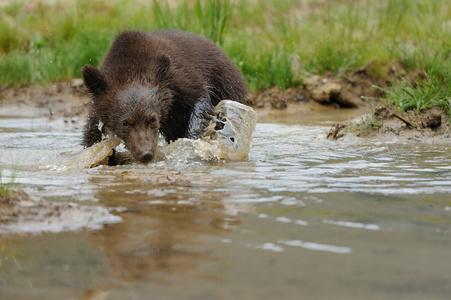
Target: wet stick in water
<point>97,154</point>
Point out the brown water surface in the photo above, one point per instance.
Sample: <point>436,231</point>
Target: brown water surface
<point>302,218</point>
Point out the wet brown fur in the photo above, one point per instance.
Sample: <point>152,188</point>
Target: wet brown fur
<point>151,82</point>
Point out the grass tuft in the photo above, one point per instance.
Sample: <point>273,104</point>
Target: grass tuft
<point>423,94</point>
<point>367,123</point>
<point>6,189</point>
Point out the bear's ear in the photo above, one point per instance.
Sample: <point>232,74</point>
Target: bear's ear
<point>94,80</point>
<point>163,63</point>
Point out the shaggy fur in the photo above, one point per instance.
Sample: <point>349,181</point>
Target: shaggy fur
<point>164,81</point>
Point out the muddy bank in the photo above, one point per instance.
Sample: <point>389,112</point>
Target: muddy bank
<point>387,124</point>
<point>330,90</point>
<point>68,99</point>
<point>66,102</point>
<point>344,90</point>
<point>19,213</point>
<point>61,101</point>
<point>334,90</point>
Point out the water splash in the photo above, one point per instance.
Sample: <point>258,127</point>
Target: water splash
<point>228,137</point>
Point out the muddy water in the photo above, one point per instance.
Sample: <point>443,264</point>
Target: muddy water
<point>302,218</point>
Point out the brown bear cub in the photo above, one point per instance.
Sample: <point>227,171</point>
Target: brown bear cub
<point>163,81</point>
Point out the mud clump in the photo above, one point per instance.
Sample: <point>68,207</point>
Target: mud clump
<point>342,90</point>
<point>428,126</point>
<point>275,98</point>
<point>431,119</point>
<point>334,92</point>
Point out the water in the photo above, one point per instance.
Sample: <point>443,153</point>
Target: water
<point>302,218</point>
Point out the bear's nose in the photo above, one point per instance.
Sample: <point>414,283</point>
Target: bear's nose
<point>146,156</point>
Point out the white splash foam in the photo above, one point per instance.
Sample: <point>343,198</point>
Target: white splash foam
<point>271,247</point>
<point>317,247</point>
<point>283,220</point>
<point>301,222</point>
<point>353,224</point>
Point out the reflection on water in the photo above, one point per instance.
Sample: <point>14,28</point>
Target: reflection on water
<point>304,217</point>
<point>158,236</point>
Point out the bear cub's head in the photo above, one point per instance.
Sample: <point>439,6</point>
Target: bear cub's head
<point>133,110</point>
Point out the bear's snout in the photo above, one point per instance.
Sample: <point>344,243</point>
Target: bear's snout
<point>146,156</point>
<point>142,143</point>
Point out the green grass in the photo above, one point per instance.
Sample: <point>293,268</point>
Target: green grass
<point>6,188</point>
<point>43,43</point>
<point>5,192</point>
<point>367,123</point>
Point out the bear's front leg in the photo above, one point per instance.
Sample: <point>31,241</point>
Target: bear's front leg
<point>200,118</point>
<point>91,132</point>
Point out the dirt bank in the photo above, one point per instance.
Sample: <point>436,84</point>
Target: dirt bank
<point>387,124</point>
<point>69,99</point>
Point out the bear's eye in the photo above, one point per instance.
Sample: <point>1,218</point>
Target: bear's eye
<point>151,121</point>
<point>125,123</point>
